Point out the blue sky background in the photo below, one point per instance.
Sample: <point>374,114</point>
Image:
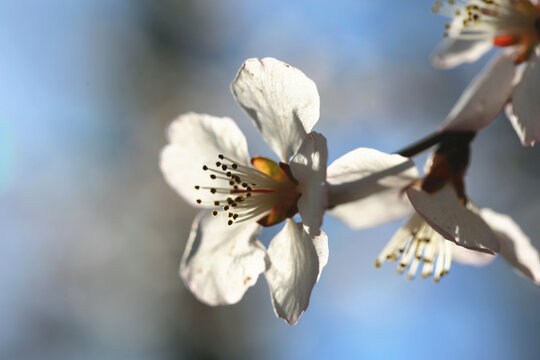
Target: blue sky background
<point>91,236</point>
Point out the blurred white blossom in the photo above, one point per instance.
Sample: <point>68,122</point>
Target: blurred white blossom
<point>512,79</point>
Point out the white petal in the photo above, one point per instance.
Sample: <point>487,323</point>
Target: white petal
<point>455,222</point>
<point>524,111</point>
<point>221,262</point>
<point>308,166</point>
<point>196,140</point>
<point>470,257</point>
<point>281,100</point>
<point>516,247</point>
<point>485,97</point>
<point>453,52</point>
<point>365,187</point>
<point>296,264</point>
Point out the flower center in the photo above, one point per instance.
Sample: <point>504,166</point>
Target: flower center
<point>417,243</point>
<point>266,190</point>
<point>507,22</point>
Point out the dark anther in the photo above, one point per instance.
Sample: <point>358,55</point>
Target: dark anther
<point>218,163</point>
<point>231,183</point>
<point>244,185</point>
<point>234,166</point>
<point>197,187</point>
<point>213,177</point>
<point>235,216</point>
<point>216,203</point>
<point>221,156</point>
<point>224,167</point>
<point>226,207</point>
<point>213,191</point>
<point>229,174</point>
<point>214,213</point>
<point>205,167</point>
<point>229,222</point>
<point>199,201</point>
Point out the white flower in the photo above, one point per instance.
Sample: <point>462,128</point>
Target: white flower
<point>446,225</point>
<point>475,28</point>
<point>482,230</point>
<point>207,163</point>
<point>417,245</point>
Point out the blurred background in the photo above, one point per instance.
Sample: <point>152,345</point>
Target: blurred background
<point>91,235</point>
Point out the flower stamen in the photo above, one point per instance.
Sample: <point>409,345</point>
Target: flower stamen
<point>417,245</point>
<point>266,190</point>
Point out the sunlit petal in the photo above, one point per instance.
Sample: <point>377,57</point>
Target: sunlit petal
<point>281,100</point>
<point>221,262</point>
<point>196,140</point>
<point>365,187</point>
<point>308,166</point>
<point>296,264</point>
<point>485,97</point>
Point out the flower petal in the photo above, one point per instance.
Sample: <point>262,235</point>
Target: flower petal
<point>221,262</point>
<point>196,140</point>
<point>365,187</point>
<point>308,166</point>
<point>281,100</point>
<point>455,222</point>
<point>516,247</point>
<point>484,98</point>
<point>470,257</point>
<point>524,111</point>
<point>297,261</point>
<point>453,52</point>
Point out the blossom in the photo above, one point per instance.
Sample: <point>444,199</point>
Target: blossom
<point>447,225</point>
<point>512,79</point>
<point>207,163</point>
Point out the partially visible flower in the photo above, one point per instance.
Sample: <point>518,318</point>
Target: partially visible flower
<point>417,245</point>
<point>476,27</point>
<point>446,225</point>
<point>207,163</point>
